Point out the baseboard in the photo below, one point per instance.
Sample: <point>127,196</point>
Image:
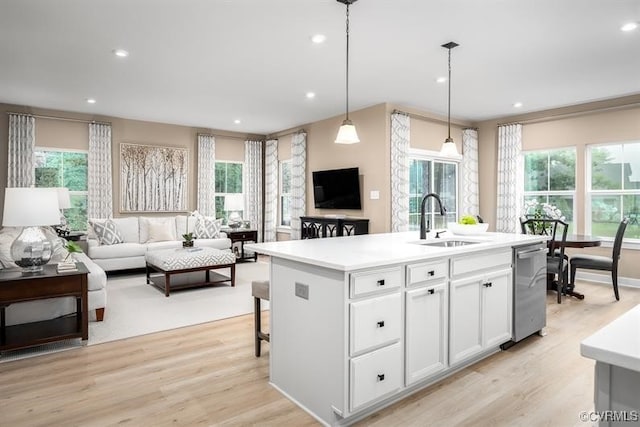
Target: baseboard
<point>606,279</point>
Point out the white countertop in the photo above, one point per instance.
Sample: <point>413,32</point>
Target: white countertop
<point>377,250</point>
<point>618,343</point>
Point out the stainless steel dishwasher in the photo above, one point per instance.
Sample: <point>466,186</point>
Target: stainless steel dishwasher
<point>529,290</point>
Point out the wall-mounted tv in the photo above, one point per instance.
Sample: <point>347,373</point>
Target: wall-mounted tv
<point>336,189</point>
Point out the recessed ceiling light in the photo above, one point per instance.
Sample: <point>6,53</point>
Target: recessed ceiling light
<point>120,53</point>
<point>91,101</point>
<point>237,121</point>
<point>310,95</point>
<point>517,104</point>
<point>318,38</point>
<point>441,79</point>
<point>629,26</point>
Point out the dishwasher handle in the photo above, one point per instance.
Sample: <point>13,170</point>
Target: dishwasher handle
<point>531,253</point>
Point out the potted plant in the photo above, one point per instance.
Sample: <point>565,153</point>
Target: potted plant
<point>187,241</point>
<point>72,247</point>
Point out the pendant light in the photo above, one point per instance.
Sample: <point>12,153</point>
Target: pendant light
<point>449,148</point>
<point>347,133</point>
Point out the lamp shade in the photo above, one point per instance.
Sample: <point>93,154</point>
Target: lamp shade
<point>234,202</point>
<point>449,148</point>
<point>64,199</point>
<point>347,134</point>
<point>28,207</point>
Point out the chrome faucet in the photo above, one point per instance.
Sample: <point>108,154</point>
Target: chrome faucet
<point>425,229</point>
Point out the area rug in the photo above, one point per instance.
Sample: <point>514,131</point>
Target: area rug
<point>135,308</point>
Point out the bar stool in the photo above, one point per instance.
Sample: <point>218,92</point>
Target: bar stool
<point>259,290</point>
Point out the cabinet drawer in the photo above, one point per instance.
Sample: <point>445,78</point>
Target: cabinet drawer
<point>426,272</point>
<point>375,322</point>
<point>479,262</point>
<point>374,281</point>
<point>375,374</point>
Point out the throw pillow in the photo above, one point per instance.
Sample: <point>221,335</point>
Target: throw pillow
<point>159,232</point>
<point>107,232</point>
<point>207,228</point>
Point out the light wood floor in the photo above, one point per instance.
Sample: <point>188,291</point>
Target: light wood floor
<point>208,375</point>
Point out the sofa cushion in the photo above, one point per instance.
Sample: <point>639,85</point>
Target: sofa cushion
<point>159,232</point>
<point>207,228</point>
<point>154,246</point>
<point>127,227</point>
<point>107,232</point>
<point>121,250</point>
<point>169,222</point>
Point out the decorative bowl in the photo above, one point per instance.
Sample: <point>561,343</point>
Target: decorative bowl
<point>467,229</point>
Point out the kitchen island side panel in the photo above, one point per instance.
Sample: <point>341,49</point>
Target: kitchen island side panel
<point>308,335</point>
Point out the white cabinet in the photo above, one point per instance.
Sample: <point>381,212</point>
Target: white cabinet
<point>375,374</point>
<point>375,322</point>
<point>426,331</point>
<point>480,313</point>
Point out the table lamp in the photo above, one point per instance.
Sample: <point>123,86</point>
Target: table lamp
<point>234,203</point>
<point>31,208</point>
<point>64,202</point>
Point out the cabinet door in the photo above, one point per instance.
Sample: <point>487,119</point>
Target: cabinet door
<point>426,332</point>
<point>497,307</point>
<point>465,319</point>
<point>375,322</point>
<point>375,374</point>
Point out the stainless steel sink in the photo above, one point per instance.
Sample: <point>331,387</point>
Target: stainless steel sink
<point>445,243</point>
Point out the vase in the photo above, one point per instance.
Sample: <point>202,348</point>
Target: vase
<point>187,243</point>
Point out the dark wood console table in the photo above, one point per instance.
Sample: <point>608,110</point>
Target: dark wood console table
<point>313,227</point>
<point>18,287</point>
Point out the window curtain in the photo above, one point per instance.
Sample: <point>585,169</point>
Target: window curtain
<point>298,181</point>
<point>100,188</point>
<point>470,199</point>
<point>22,140</point>
<point>400,131</point>
<point>206,175</point>
<point>270,190</point>
<point>252,182</point>
<point>510,178</point>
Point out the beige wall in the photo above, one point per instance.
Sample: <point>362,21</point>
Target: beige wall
<point>569,127</point>
<point>74,135</point>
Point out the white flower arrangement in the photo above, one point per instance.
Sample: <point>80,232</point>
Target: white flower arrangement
<point>544,210</point>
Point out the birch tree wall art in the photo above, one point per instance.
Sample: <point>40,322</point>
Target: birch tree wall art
<point>153,178</point>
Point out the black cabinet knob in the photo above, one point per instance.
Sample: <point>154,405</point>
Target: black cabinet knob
<point>381,324</point>
<point>380,377</point>
<point>381,282</point>
<point>431,291</point>
<point>431,273</point>
<point>488,285</point>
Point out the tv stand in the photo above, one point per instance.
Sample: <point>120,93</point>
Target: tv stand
<point>313,227</point>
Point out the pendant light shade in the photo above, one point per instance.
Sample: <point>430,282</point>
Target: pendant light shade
<point>449,148</point>
<point>347,133</point>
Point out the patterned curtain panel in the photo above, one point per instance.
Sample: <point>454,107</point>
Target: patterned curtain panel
<point>270,190</point>
<point>298,182</point>
<point>252,182</point>
<point>22,140</point>
<point>470,204</point>
<point>510,178</point>
<point>400,131</point>
<point>206,175</point>
<point>100,204</point>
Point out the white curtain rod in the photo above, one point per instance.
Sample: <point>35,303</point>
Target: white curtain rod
<point>39,116</point>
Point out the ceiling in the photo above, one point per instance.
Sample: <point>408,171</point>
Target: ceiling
<point>206,63</point>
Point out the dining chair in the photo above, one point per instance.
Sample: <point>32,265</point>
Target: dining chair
<point>602,263</point>
<point>557,261</point>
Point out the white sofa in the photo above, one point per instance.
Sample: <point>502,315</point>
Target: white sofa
<point>136,231</point>
<point>34,311</point>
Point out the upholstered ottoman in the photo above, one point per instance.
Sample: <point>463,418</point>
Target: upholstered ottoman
<point>188,267</point>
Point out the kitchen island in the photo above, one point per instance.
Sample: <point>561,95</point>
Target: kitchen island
<point>360,322</point>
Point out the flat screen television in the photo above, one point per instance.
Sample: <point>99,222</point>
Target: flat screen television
<point>337,189</point>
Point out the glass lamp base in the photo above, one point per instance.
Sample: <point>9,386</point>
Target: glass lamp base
<point>31,250</point>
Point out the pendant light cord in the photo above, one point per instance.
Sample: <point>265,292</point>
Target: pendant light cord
<point>449,108</point>
<point>347,74</point>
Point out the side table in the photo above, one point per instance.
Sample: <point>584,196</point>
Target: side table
<point>18,287</point>
<point>241,236</point>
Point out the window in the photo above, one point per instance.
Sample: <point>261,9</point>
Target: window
<point>65,168</point>
<point>228,181</point>
<point>550,177</point>
<point>613,187</point>
<point>430,175</point>
<point>285,193</point>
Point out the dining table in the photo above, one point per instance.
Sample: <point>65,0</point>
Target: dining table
<point>578,241</point>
